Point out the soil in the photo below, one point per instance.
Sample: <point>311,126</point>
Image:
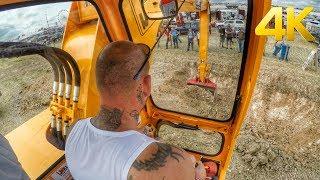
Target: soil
<point>25,85</point>
<point>170,90</point>
<point>280,138</point>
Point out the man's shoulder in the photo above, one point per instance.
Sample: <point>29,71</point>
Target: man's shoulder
<point>161,159</point>
<point>79,123</point>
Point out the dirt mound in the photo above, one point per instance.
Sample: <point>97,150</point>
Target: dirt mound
<point>280,138</point>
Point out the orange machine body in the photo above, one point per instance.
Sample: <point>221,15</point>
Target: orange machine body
<point>86,33</point>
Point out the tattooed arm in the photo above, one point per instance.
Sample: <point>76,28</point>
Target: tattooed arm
<point>162,161</point>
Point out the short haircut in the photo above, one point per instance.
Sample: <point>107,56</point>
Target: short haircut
<point>117,64</point>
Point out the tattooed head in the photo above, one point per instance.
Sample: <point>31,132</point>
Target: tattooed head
<point>116,67</point>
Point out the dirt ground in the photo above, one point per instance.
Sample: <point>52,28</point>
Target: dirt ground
<point>25,85</point>
<point>170,90</point>
<point>280,138</point>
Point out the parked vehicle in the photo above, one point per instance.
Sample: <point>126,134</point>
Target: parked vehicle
<point>194,25</point>
<point>235,24</point>
<point>313,26</point>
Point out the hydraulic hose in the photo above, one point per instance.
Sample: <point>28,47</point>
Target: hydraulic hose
<point>76,72</point>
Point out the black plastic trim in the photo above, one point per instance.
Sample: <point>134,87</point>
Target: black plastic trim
<point>123,20</point>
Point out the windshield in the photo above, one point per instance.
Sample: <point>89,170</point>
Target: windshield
<point>176,64</point>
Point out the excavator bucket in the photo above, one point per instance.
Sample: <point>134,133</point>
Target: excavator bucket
<point>207,84</point>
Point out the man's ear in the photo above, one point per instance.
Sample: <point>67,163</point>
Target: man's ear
<point>146,86</point>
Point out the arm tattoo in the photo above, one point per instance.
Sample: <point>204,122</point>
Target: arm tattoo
<point>158,158</point>
<point>108,118</point>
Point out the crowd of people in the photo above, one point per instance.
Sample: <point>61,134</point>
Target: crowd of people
<point>172,36</point>
<point>227,37</point>
<point>281,50</point>
<point>228,34</point>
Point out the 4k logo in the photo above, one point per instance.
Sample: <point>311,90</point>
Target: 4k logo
<point>293,23</point>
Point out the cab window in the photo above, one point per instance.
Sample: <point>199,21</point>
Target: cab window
<point>26,81</point>
<point>176,61</point>
<point>27,76</point>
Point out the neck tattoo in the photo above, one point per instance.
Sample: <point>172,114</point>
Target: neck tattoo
<point>135,115</point>
<point>140,95</point>
<point>108,119</point>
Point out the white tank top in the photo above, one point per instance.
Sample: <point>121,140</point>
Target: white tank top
<point>96,154</point>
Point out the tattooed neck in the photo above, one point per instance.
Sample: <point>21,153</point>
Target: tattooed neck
<point>108,119</point>
<point>135,115</point>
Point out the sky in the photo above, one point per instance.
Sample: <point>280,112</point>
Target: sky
<point>296,3</point>
<point>27,20</point>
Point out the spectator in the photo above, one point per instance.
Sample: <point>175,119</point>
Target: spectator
<point>175,34</point>
<point>229,35</point>
<point>241,38</point>
<point>168,37</point>
<point>158,37</point>
<point>276,48</point>
<point>198,37</point>
<point>222,32</point>
<point>190,39</point>
<point>179,37</point>
<point>317,57</point>
<point>284,52</point>
<point>313,56</point>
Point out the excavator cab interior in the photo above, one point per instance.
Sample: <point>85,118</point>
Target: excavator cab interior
<point>201,90</point>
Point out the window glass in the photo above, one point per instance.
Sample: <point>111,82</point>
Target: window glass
<point>25,84</point>
<point>26,81</point>
<point>43,24</point>
<point>283,118</point>
<point>26,78</point>
<point>192,140</point>
<point>176,63</point>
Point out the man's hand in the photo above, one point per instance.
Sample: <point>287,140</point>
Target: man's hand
<point>55,141</point>
<point>200,171</point>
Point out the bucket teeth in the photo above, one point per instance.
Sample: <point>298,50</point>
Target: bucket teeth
<point>209,85</point>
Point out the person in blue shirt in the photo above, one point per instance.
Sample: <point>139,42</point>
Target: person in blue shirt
<point>175,34</point>
<point>284,51</point>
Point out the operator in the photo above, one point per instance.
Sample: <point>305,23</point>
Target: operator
<point>109,146</point>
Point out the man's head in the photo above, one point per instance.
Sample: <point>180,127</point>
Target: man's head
<point>116,67</point>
